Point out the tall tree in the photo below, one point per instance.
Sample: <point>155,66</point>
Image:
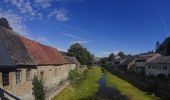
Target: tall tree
<point>157,46</point>
<point>111,57</point>
<point>81,53</point>
<point>104,60</point>
<point>4,23</point>
<point>164,47</point>
<point>121,54</point>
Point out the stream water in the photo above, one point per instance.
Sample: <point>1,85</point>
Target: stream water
<point>106,93</point>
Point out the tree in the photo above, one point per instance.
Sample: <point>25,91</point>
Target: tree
<point>157,46</point>
<point>121,54</point>
<point>81,53</point>
<point>164,47</point>
<point>4,23</point>
<point>111,57</point>
<point>38,89</point>
<point>104,60</point>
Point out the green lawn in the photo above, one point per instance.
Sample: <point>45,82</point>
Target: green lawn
<point>127,89</point>
<point>84,88</point>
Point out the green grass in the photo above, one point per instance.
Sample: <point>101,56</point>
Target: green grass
<point>84,88</point>
<point>127,89</point>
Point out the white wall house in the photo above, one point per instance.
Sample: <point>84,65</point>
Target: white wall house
<point>142,59</point>
<point>159,66</point>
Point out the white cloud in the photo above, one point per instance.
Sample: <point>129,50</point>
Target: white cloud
<point>15,21</point>
<point>72,36</point>
<point>23,6</point>
<point>62,49</point>
<point>42,40</point>
<point>31,9</point>
<point>81,42</point>
<point>43,3</point>
<point>60,14</point>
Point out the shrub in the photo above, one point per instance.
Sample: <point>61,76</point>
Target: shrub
<point>73,75</point>
<point>153,87</point>
<point>38,89</point>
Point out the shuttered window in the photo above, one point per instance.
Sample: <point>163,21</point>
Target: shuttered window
<point>28,74</point>
<point>5,78</point>
<point>18,76</point>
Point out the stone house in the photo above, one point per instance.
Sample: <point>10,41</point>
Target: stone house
<point>21,59</point>
<point>127,64</point>
<point>158,67</point>
<point>97,61</point>
<point>117,59</point>
<point>142,59</point>
<point>73,62</point>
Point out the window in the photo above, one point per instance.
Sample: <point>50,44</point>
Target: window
<point>153,67</point>
<point>18,76</point>
<point>28,74</point>
<point>5,78</point>
<point>159,67</point>
<point>149,67</point>
<point>164,67</point>
<point>42,74</point>
<point>55,72</point>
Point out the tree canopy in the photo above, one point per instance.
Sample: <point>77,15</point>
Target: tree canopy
<point>111,57</point>
<point>121,54</point>
<point>104,60</point>
<point>4,23</point>
<point>81,53</point>
<point>164,47</point>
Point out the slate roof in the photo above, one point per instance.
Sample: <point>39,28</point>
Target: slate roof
<point>161,60</point>
<point>147,55</point>
<point>71,60</point>
<point>128,60</point>
<point>23,51</point>
<point>14,48</point>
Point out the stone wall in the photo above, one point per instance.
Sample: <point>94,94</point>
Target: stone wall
<point>23,87</point>
<point>51,75</point>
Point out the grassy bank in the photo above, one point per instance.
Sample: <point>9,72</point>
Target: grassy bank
<point>82,89</point>
<point>127,89</point>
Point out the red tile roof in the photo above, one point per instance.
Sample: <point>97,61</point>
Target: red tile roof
<point>53,54</point>
<point>41,54</point>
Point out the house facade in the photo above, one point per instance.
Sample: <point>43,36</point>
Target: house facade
<point>73,62</point>
<point>142,59</point>
<point>96,61</point>
<point>159,67</point>
<point>21,59</point>
<point>117,59</point>
<point>127,64</point>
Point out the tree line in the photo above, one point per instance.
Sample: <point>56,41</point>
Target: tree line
<point>164,47</point>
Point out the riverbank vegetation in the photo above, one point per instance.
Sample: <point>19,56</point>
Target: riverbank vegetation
<point>82,88</point>
<point>88,86</point>
<point>127,89</point>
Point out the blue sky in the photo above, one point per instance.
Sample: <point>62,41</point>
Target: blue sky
<point>105,26</point>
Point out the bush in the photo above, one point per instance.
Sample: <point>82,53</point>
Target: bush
<point>73,75</point>
<point>153,87</point>
<point>38,89</point>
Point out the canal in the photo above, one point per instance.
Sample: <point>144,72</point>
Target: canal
<point>106,93</point>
